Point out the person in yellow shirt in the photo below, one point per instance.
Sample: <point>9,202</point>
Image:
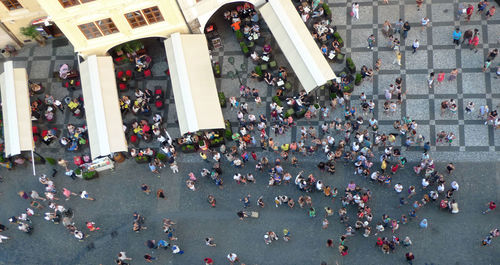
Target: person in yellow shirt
<point>397,59</point>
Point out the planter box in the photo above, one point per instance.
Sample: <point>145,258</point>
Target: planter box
<point>188,148</point>
<point>142,159</point>
<point>90,175</point>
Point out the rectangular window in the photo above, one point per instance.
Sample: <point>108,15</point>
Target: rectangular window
<point>98,28</point>
<point>70,3</point>
<point>135,19</point>
<point>107,26</point>
<point>144,17</point>
<point>90,30</point>
<point>153,14</point>
<point>12,4</point>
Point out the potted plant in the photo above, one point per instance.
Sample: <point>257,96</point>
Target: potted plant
<point>31,32</point>
<point>258,71</point>
<point>188,148</point>
<point>358,80</point>
<point>88,175</point>
<point>51,161</point>
<point>217,72</point>
<point>245,50</point>
<point>78,173</point>
<point>328,11</point>
<point>348,88</point>
<point>228,132</point>
<point>300,114</point>
<point>222,100</point>
<point>350,65</point>
<point>161,156</point>
<point>316,105</point>
<point>277,100</point>
<point>142,159</point>
<point>333,95</point>
<point>289,112</point>
<point>239,35</point>
<point>338,38</point>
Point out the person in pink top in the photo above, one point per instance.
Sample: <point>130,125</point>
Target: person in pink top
<point>440,77</point>
<point>491,12</point>
<point>474,42</point>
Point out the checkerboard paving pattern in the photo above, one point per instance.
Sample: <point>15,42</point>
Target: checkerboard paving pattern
<point>437,53</point>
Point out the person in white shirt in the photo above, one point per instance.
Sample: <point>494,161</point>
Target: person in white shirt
<point>415,46</point>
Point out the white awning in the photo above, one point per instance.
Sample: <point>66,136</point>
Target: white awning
<point>16,109</point>
<point>297,44</point>
<point>102,109</point>
<point>193,83</point>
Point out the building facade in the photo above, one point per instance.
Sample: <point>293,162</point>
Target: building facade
<point>15,14</point>
<point>95,26</point>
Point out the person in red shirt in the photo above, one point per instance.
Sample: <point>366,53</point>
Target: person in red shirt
<point>208,261</point>
<point>474,42</point>
<point>469,12</point>
<point>491,206</point>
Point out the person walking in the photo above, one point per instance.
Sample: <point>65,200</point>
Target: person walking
<point>431,79</point>
<point>481,6</point>
<point>371,42</point>
<point>415,46</point>
<point>406,28</point>
<point>409,257</point>
<point>491,206</point>
<point>355,10</point>
<point>419,4</point>
<point>469,12</point>
<point>398,58</point>
<point>425,22</point>
<point>208,261</point>
<point>491,12</point>
<point>457,34</point>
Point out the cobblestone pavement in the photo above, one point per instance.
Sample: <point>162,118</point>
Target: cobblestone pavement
<point>118,193</point>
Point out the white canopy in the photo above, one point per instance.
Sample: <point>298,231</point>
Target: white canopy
<point>193,83</point>
<point>16,109</point>
<point>102,110</point>
<point>297,44</point>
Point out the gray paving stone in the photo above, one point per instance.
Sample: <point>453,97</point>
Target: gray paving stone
<point>418,109</point>
<point>442,59</point>
<point>476,135</point>
<point>473,83</point>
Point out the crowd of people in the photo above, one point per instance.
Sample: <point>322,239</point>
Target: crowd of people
<point>375,156</point>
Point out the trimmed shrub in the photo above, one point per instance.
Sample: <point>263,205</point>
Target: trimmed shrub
<point>277,100</point>
<point>88,175</point>
<point>51,161</point>
<point>358,80</point>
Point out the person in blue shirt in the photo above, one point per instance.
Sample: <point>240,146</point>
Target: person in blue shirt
<point>457,34</point>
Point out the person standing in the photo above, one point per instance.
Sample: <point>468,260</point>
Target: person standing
<point>232,257</point>
<point>355,10</point>
<point>474,42</point>
<point>493,54</point>
<point>457,34</point>
<point>469,12</point>
<point>398,26</point>
<point>481,6</point>
<point>371,42</point>
<point>397,59</point>
<point>415,46</point>
<point>425,22</point>
<point>406,28</point>
<point>409,257</point>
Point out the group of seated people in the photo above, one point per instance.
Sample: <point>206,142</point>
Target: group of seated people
<point>145,130</point>
<point>76,137</point>
<point>140,105</point>
<point>310,10</point>
<point>142,62</point>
